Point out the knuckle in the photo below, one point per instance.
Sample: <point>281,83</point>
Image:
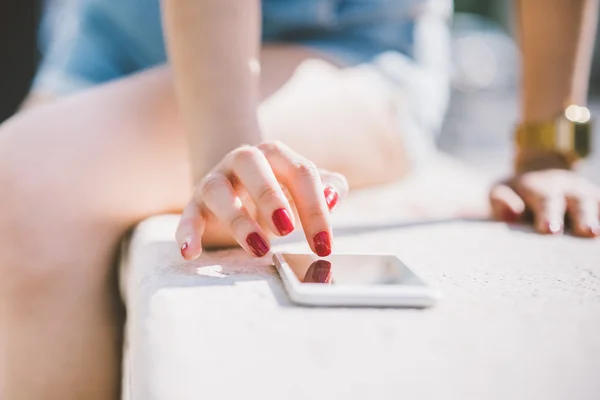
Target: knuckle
<point>238,222</point>
<point>579,198</point>
<point>313,212</point>
<point>245,154</point>
<point>211,184</point>
<point>272,147</point>
<point>304,170</point>
<point>267,193</point>
<point>537,195</point>
<point>583,204</point>
<point>531,182</point>
<point>581,192</point>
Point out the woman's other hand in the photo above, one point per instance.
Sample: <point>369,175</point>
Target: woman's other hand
<point>550,195</point>
<point>257,191</point>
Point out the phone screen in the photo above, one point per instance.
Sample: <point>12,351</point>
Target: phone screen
<point>361,270</point>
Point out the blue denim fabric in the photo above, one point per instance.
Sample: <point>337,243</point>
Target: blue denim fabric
<point>405,42</point>
<point>117,37</point>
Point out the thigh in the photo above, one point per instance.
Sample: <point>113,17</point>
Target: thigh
<point>78,171</point>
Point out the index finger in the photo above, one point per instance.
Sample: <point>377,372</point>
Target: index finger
<point>302,179</point>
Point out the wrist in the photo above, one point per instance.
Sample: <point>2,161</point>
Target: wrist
<point>536,160</point>
<point>211,142</point>
<point>557,143</point>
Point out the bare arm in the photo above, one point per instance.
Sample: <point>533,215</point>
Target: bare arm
<point>557,40</point>
<point>213,50</point>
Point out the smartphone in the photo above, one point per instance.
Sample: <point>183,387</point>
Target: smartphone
<point>352,280</point>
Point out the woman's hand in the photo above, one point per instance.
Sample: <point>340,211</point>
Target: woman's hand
<point>246,193</point>
<point>550,194</point>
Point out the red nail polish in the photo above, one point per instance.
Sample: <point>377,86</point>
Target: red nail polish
<point>322,271</point>
<point>322,244</point>
<point>282,221</point>
<point>257,244</point>
<point>331,197</point>
<point>184,248</point>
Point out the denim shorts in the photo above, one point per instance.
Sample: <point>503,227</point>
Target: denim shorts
<point>404,44</point>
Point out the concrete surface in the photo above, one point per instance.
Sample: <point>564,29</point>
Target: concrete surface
<point>520,316</point>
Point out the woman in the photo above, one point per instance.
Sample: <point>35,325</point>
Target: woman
<point>356,86</point>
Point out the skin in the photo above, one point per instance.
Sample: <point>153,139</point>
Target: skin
<point>77,173</point>
<point>62,215</point>
<point>203,64</point>
<point>556,38</point>
<point>227,116</point>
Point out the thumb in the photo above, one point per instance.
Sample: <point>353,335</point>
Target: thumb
<point>336,187</point>
<point>506,204</point>
<point>189,232</point>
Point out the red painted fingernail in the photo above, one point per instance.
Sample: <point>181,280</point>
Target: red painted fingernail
<point>322,244</point>
<point>184,248</point>
<point>331,197</point>
<point>322,271</point>
<point>282,221</point>
<point>555,227</point>
<point>509,215</point>
<point>257,244</point>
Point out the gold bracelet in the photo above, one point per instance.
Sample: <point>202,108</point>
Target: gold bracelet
<point>569,134</point>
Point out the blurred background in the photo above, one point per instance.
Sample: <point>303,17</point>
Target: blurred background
<point>485,74</point>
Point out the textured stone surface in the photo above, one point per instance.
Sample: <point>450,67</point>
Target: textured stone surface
<point>520,316</point>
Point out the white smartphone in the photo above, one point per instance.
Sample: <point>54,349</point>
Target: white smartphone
<point>352,280</point>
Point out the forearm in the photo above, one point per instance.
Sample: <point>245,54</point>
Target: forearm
<point>213,51</point>
<point>556,39</point>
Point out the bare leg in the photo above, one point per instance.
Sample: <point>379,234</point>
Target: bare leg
<point>76,173</point>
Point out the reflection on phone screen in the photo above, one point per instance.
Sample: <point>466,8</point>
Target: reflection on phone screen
<point>318,272</point>
<point>351,270</point>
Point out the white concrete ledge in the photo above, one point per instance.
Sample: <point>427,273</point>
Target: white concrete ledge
<point>520,319</point>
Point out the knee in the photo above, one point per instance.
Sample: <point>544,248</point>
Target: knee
<point>55,238</point>
<point>13,238</point>
<point>27,264</point>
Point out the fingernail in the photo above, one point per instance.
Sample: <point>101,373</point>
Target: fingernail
<point>555,227</point>
<point>257,244</point>
<point>331,197</point>
<point>322,244</point>
<point>509,215</point>
<point>594,230</point>
<point>322,271</point>
<point>184,248</point>
<point>282,221</point>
